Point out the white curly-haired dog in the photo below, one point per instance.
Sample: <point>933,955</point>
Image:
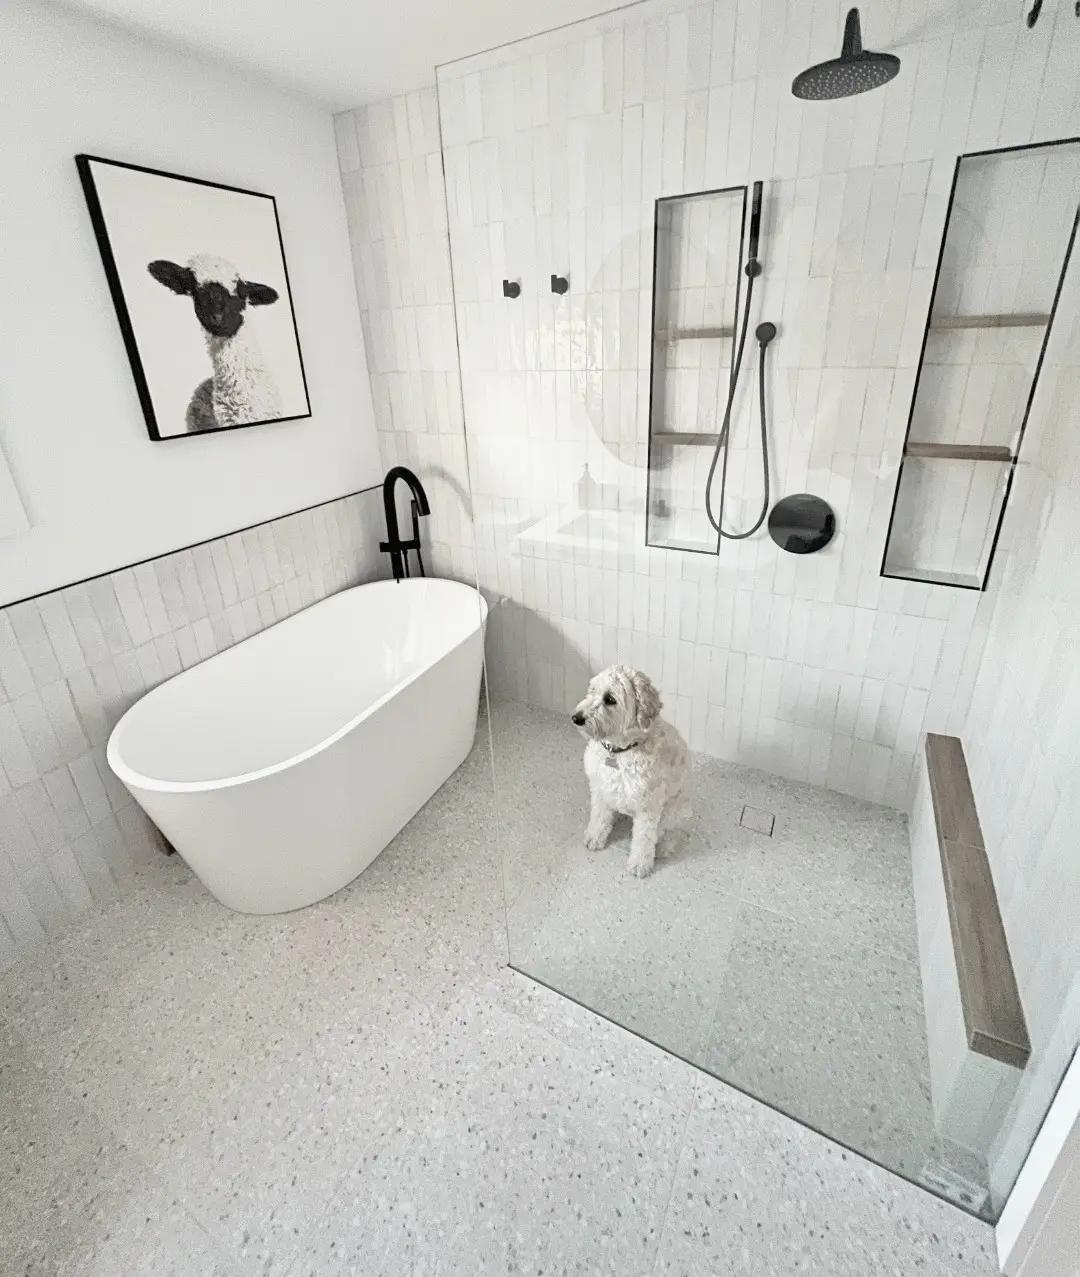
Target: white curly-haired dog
<point>636,762</point>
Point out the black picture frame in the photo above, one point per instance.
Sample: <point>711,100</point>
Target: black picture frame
<point>84,163</point>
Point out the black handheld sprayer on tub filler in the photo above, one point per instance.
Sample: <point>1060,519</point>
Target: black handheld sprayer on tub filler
<point>393,545</point>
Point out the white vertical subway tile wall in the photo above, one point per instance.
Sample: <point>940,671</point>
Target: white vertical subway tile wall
<point>72,661</point>
<point>1023,753</point>
<point>391,171</point>
<point>555,149</point>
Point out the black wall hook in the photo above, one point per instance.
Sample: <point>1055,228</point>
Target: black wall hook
<point>559,284</point>
<point>511,288</point>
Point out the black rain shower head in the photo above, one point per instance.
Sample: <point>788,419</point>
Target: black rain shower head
<point>856,70</point>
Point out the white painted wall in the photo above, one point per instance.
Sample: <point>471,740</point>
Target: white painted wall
<point>343,51</point>
<point>97,493</point>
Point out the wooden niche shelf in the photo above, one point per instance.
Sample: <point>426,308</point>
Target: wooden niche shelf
<point>683,437</point>
<point>958,451</point>
<point>667,335</point>
<point>1020,320</point>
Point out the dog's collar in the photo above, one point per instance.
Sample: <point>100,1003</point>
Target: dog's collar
<point>619,749</point>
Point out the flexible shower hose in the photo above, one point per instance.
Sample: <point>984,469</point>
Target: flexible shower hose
<point>725,429</point>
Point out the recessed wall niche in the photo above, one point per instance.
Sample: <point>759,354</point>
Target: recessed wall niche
<point>696,257</point>
<point>1009,234</point>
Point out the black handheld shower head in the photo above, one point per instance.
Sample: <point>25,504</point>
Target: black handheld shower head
<point>754,236</point>
<point>856,70</point>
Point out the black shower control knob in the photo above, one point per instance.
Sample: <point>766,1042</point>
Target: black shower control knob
<point>511,288</point>
<point>559,284</point>
<point>802,523</point>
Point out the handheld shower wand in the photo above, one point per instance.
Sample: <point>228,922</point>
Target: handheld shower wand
<point>765,333</point>
<point>753,266</point>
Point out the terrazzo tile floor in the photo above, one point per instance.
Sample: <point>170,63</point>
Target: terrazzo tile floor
<point>365,1087</point>
<point>775,944</point>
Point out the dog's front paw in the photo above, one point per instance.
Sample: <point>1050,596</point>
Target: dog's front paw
<point>595,839</point>
<point>640,866</point>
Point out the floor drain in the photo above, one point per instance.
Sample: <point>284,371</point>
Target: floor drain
<point>761,822</point>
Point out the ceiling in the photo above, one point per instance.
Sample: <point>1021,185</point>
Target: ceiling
<point>343,52</point>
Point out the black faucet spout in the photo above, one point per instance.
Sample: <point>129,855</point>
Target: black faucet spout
<point>394,545</point>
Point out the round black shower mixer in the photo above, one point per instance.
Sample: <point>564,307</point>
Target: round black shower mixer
<point>802,523</point>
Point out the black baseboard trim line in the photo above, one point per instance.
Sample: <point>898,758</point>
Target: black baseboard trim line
<point>122,567</point>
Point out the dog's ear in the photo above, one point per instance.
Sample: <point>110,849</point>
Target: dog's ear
<point>647,700</point>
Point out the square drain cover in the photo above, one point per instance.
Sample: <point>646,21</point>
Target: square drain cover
<point>761,822</point>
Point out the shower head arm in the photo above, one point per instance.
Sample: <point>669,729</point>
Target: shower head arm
<point>852,36</point>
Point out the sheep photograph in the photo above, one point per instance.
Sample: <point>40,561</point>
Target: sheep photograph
<point>198,278</point>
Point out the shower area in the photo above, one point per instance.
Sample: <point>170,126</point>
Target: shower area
<point>833,564</point>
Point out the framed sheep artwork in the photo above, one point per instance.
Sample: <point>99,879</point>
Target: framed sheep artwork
<point>198,278</point>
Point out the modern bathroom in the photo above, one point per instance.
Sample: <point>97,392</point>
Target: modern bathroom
<point>539,629</point>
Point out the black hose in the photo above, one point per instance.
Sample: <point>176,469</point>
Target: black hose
<point>741,536</point>
<point>725,427</point>
<point>723,440</point>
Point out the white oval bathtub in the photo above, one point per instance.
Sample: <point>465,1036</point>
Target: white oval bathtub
<point>281,767</point>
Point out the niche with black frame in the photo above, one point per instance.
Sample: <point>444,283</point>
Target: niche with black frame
<point>697,254</point>
<point>1009,233</point>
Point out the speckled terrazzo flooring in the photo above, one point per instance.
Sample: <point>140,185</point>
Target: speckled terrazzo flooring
<point>364,1087</point>
<point>774,946</point>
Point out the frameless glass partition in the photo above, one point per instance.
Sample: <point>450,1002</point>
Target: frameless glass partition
<point>793,937</point>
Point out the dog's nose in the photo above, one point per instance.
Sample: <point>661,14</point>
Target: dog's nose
<point>577,719</point>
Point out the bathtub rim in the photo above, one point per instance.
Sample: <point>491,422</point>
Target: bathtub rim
<point>132,778</point>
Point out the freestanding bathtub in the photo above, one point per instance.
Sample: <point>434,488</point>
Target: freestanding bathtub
<point>281,767</point>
